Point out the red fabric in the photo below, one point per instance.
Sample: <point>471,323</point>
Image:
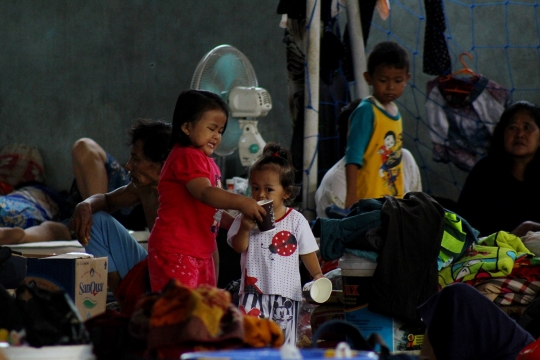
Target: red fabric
<point>190,271</point>
<point>329,265</point>
<point>5,188</point>
<point>134,285</point>
<point>184,224</point>
<point>20,163</point>
<point>530,352</point>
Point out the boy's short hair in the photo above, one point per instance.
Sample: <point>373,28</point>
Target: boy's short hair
<point>388,53</point>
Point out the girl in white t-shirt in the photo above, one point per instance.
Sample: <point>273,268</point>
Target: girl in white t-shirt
<point>270,285</point>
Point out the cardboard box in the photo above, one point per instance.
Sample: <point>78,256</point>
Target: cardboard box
<point>80,275</point>
<point>48,248</point>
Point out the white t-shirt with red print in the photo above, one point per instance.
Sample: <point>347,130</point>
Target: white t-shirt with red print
<point>270,265</point>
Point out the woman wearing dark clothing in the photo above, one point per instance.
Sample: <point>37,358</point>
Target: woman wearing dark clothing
<point>502,191</point>
<point>463,324</point>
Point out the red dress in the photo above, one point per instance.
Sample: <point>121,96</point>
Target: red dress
<point>184,235</point>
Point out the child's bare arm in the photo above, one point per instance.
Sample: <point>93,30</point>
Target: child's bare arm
<point>312,265</point>
<point>202,189</point>
<point>351,171</point>
<point>240,241</point>
<point>226,220</point>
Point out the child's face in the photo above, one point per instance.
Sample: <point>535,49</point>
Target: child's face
<point>388,83</point>
<point>389,142</point>
<point>206,133</point>
<point>265,185</point>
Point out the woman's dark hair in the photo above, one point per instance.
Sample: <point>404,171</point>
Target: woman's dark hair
<point>276,158</point>
<point>190,107</point>
<point>156,138</point>
<point>497,151</point>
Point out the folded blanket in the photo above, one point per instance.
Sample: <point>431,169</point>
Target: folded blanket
<point>494,258</point>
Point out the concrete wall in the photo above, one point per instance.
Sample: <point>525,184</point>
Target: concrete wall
<point>88,68</point>
<point>77,68</point>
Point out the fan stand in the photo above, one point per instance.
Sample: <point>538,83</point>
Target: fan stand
<point>251,144</point>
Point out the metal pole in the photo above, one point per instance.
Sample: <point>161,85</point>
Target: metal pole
<point>358,50</point>
<point>311,107</point>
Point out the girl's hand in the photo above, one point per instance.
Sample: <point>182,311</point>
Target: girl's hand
<point>250,209</point>
<point>318,276</point>
<point>240,241</point>
<point>247,223</point>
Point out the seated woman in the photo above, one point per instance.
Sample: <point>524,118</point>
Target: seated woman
<point>463,324</point>
<point>501,192</point>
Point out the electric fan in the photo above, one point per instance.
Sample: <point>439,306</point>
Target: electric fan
<point>227,72</point>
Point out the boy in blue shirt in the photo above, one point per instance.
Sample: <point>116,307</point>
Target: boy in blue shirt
<point>373,162</point>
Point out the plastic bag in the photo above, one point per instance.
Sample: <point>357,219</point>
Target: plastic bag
<point>21,163</point>
<point>49,317</point>
<point>12,268</point>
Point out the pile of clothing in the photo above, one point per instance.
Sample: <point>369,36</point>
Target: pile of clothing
<point>177,320</point>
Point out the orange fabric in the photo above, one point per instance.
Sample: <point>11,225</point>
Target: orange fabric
<point>181,319</point>
<point>262,332</point>
<point>207,303</point>
<point>184,319</point>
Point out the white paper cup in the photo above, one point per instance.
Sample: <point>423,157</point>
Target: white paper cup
<point>319,290</point>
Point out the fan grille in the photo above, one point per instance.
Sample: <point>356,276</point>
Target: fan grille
<point>219,71</point>
<point>223,68</point>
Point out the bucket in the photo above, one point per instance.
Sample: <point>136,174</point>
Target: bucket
<point>357,277</point>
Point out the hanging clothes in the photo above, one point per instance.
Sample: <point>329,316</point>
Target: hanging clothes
<point>333,90</point>
<point>294,39</point>
<point>436,57</point>
<point>461,123</point>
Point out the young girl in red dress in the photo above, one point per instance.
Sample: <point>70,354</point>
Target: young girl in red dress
<point>182,244</point>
